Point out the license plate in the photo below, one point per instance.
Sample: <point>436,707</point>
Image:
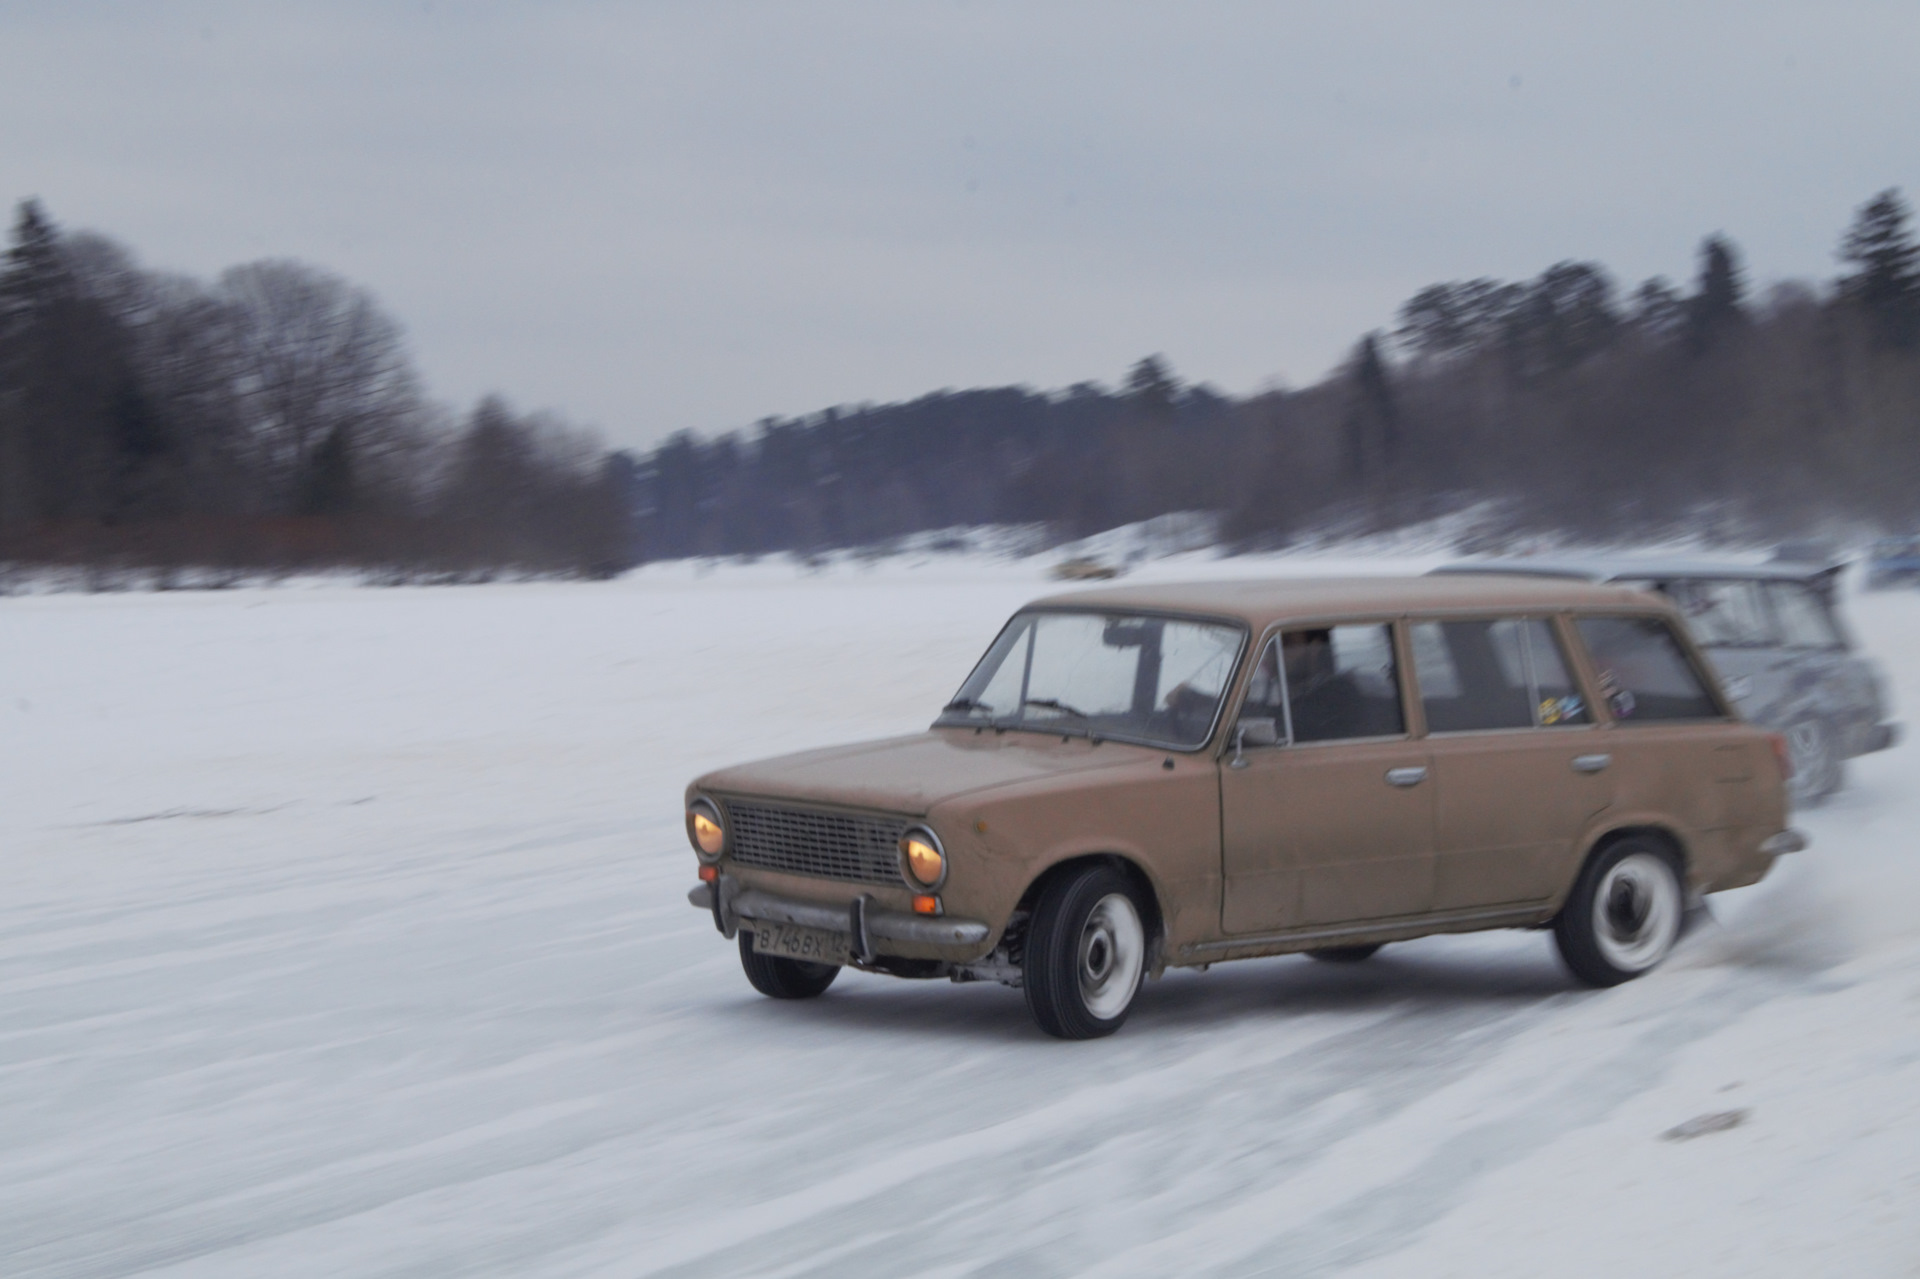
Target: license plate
<point>791,941</point>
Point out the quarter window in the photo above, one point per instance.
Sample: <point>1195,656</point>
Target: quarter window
<point>1803,617</point>
<point>1725,614</point>
<point>1329,683</point>
<point>1480,675</point>
<point>1644,673</point>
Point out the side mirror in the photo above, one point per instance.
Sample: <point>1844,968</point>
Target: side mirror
<point>1256,732</point>
<point>1252,732</point>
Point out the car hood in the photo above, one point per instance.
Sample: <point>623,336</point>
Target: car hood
<point>912,774</point>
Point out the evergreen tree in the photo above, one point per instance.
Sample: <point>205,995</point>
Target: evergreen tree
<point>64,368</point>
<point>1371,424</point>
<point>1151,386</point>
<point>1717,305</point>
<point>1885,282</point>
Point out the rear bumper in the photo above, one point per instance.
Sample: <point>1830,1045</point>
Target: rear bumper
<point>1787,841</point>
<point>873,930</point>
<point>1877,738</point>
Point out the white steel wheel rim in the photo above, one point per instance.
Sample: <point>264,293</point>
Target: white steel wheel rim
<point>1112,951</point>
<point>1636,912</point>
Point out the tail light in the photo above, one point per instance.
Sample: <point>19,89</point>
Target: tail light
<point>1781,753</point>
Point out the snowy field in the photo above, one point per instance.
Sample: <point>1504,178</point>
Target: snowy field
<point>343,933</point>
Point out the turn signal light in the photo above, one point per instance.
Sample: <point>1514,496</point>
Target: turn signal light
<point>926,905</point>
<point>709,873</point>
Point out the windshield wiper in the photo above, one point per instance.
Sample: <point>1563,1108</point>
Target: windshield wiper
<point>1055,704</point>
<point>966,704</point>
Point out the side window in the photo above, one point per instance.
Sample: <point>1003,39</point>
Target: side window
<point>1481,675</point>
<point>1644,673</point>
<point>1472,676</point>
<point>1803,617</point>
<point>1730,614</point>
<point>1340,682</point>
<point>1555,699</point>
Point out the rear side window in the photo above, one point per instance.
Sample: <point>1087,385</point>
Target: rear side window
<point>1481,675</point>
<point>1803,617</point>
<point>1725,614</point>
<point>1644,673</point>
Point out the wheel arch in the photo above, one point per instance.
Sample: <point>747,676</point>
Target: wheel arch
<point>1147,891</point>
<point>1608,836</point>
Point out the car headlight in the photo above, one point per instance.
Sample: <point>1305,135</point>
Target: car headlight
<point>705,830</point>
<point>921,856</point>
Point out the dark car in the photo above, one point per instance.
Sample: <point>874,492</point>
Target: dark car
<point>1774,633</point>
<point>1893,561</point>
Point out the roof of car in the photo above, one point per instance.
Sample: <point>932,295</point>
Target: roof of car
<point>1607,569</point>
<point>1264,600</point>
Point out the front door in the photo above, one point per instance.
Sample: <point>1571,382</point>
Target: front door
<point>1334,824</point>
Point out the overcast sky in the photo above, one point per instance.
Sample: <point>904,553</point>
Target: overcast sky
<point>651,217</point>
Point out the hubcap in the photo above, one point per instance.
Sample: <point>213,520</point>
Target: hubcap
<point>1113,949</point>
<point>1636,912</point>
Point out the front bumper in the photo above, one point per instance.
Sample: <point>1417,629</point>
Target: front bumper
<point>871,928</point>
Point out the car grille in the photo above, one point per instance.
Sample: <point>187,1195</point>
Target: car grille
<point>803,842</point>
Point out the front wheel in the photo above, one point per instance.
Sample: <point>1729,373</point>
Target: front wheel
<point>781,978</point>
<point>1624,914</point>
<point>1086,950</point>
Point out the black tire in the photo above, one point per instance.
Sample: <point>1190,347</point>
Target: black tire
<point>781,978</point>
<point>1817,766</point>
<point>1624,914</point>
<point>1344,954</point>
<point>1086,953</point>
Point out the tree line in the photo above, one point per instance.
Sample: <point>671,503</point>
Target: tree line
<point>1560,405</point>
<point>270,419</point>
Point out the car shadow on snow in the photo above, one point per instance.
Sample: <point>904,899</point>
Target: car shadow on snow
<point>1419,977</point>
<point>1436,976</point>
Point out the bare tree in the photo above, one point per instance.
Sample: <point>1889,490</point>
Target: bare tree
<point>316,359</point>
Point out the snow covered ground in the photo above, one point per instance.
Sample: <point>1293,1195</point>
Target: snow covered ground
<point>343,932</point>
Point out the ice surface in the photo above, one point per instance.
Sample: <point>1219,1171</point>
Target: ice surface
<point>343,932</point>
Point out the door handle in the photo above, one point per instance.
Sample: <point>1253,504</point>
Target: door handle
<point>1406,776</point>
<point>1590,763</point>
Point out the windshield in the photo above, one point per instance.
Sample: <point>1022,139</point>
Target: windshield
<point>1132,677</point>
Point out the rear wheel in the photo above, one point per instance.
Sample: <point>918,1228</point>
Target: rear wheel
<point>782,978</point>
<point>1086,951</point>
<point>1624,914</point>
<point>1344,954</point>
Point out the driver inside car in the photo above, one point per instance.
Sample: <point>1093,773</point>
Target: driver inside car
<point>1325,702</point>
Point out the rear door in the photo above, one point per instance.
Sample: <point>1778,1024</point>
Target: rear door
<point>1518,769</point>
<point>1335,823</point>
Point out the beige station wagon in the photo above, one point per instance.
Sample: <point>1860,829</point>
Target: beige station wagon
<point>1170,776</point>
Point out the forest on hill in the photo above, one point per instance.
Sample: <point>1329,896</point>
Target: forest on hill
<point>273,419</point>
<point>1559,405</point>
